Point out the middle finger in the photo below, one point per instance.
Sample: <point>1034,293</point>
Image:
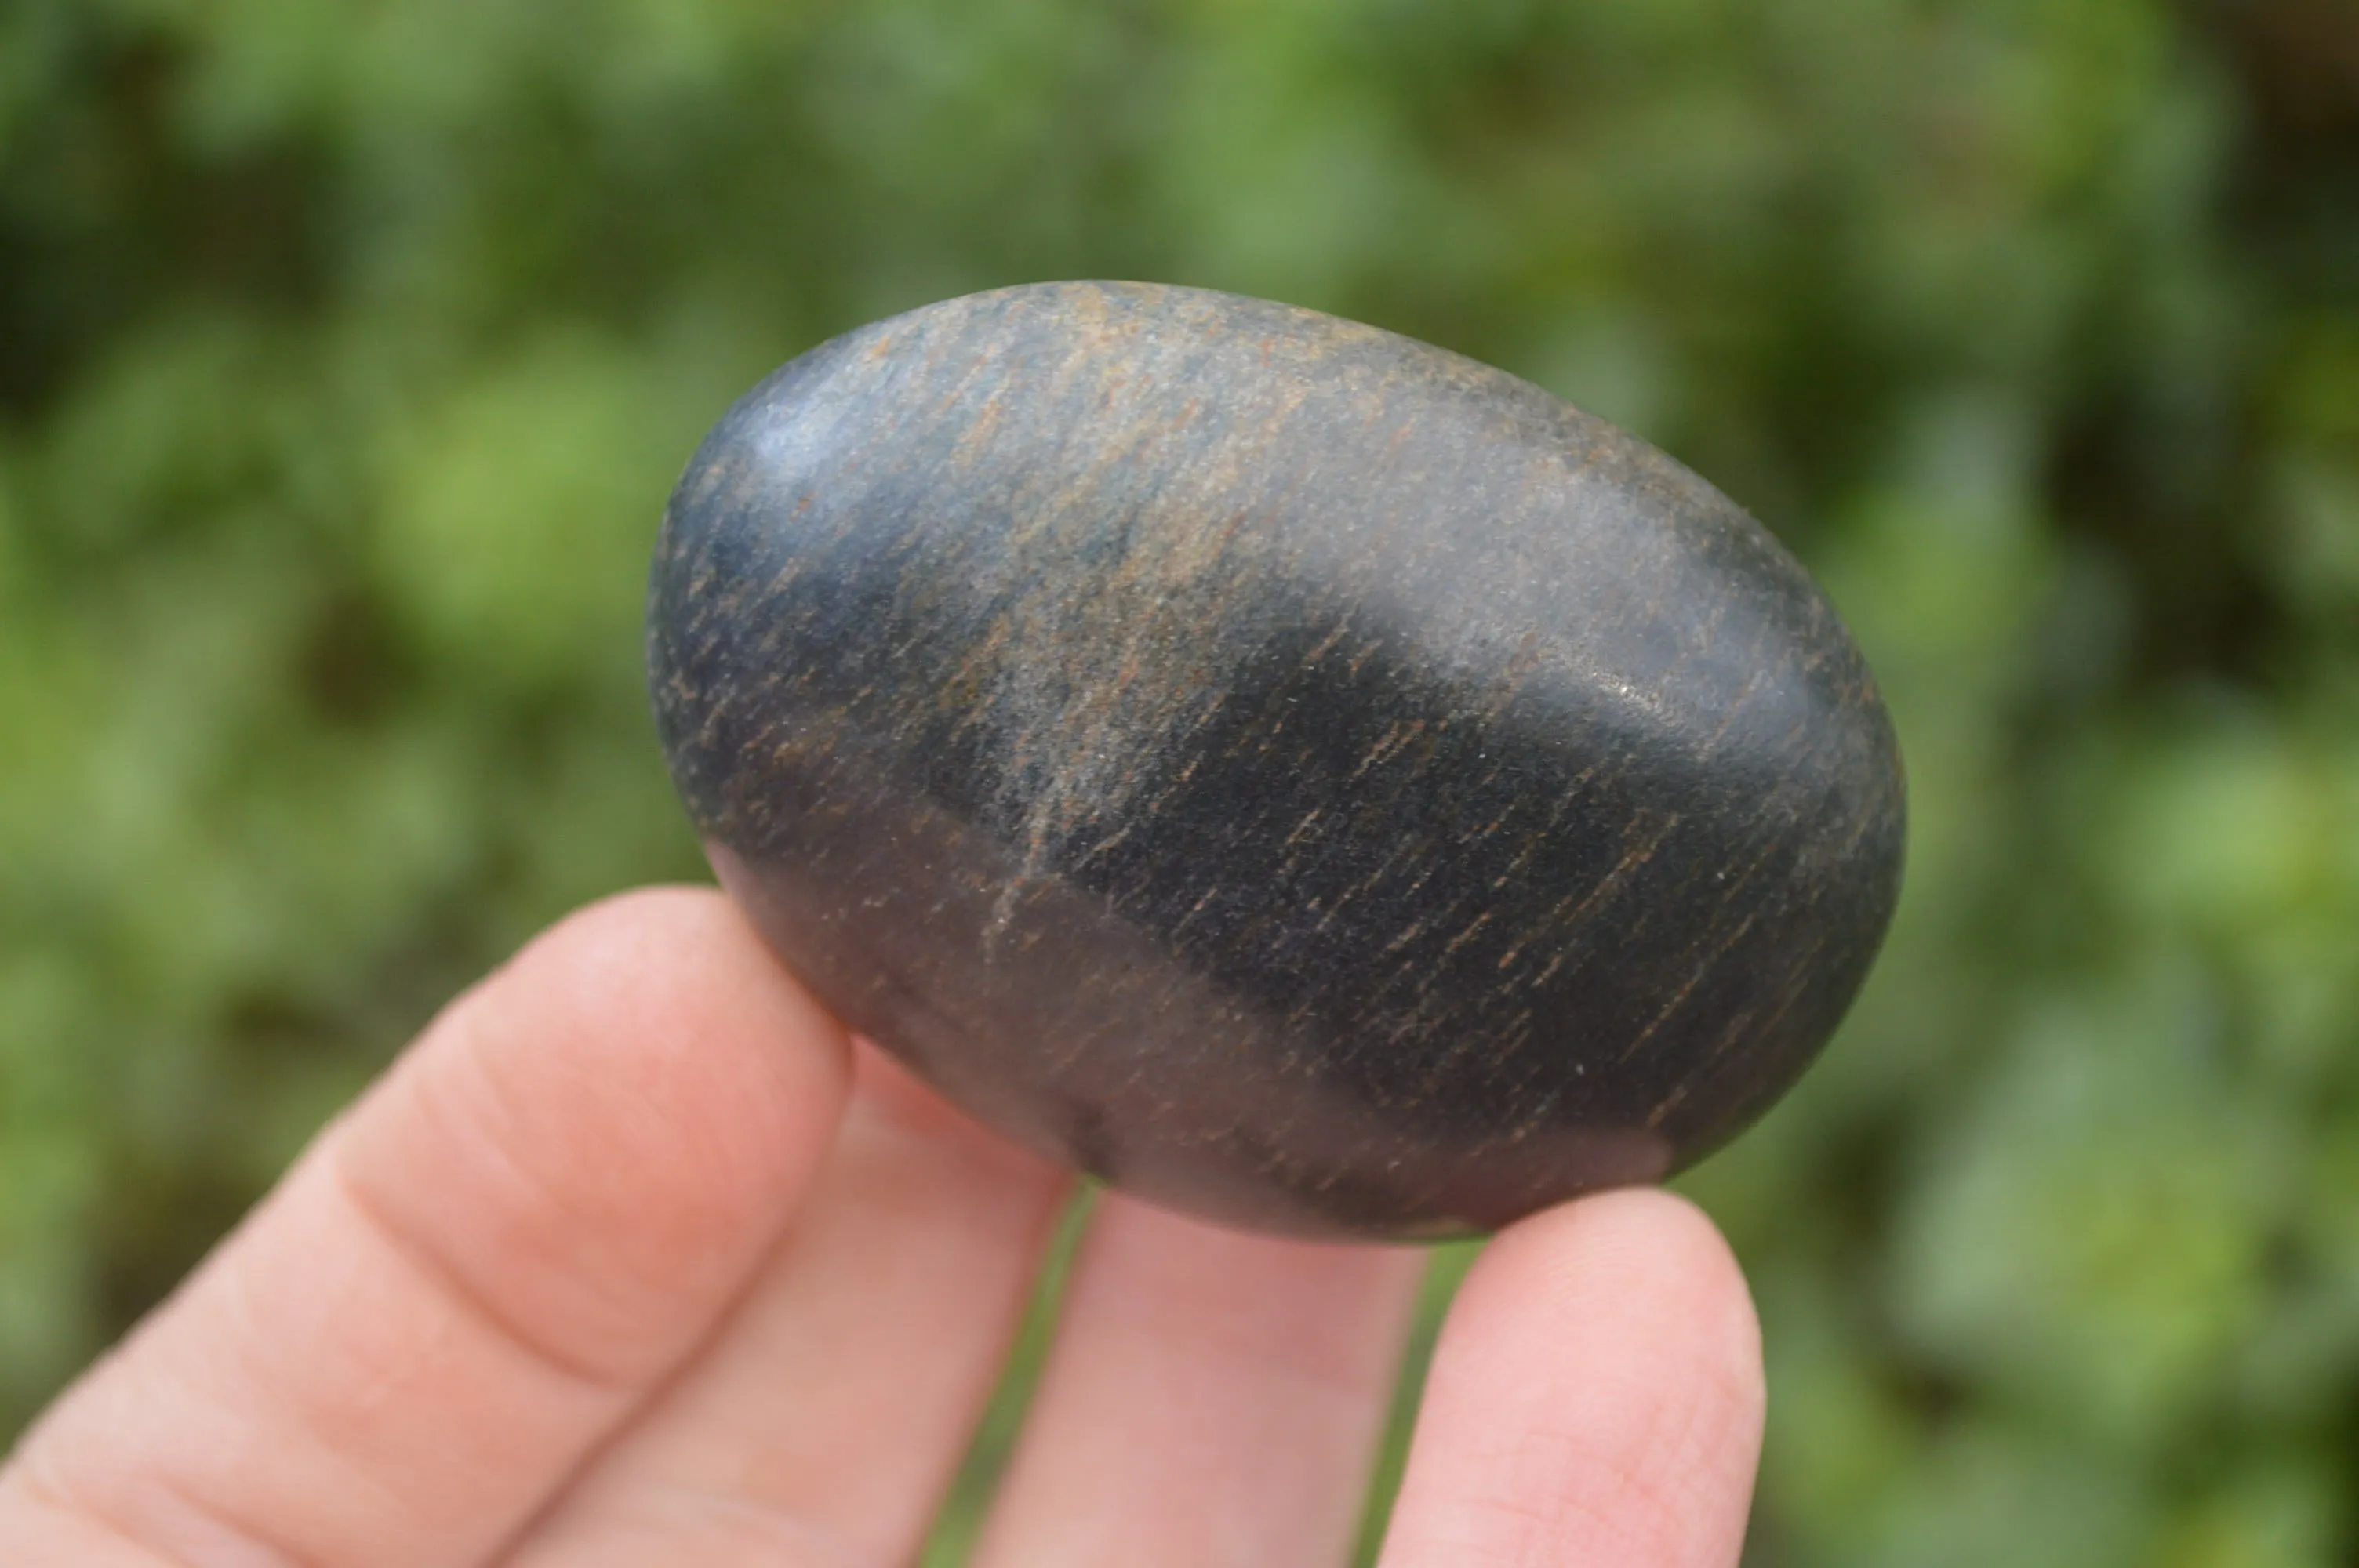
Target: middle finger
<point>827,1418</point>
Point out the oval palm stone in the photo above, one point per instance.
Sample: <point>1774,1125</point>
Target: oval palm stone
<point>1300,774</point>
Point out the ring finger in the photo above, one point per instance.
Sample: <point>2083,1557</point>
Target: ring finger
<point>1212,1398</point>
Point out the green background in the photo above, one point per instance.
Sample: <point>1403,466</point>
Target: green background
<point>347,352</point>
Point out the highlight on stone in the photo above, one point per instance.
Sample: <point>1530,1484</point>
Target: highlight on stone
<point>1295,773</point>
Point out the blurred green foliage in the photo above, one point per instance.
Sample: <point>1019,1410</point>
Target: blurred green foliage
<point>347,352</point>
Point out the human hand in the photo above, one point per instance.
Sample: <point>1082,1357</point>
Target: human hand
<point>636,1259</point>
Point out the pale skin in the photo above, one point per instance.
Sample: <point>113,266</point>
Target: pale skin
<point>636,1258</point>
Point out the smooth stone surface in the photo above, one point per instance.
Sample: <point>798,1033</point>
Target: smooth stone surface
<point>1300,774</point>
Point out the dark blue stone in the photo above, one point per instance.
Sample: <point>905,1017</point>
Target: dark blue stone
<point>1297,773</point>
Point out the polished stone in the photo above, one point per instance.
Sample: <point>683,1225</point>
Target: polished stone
<point>1300,774</point>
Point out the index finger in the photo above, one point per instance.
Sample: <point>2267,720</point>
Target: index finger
<point>1597,1397</point>
<point>470,1279</point>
